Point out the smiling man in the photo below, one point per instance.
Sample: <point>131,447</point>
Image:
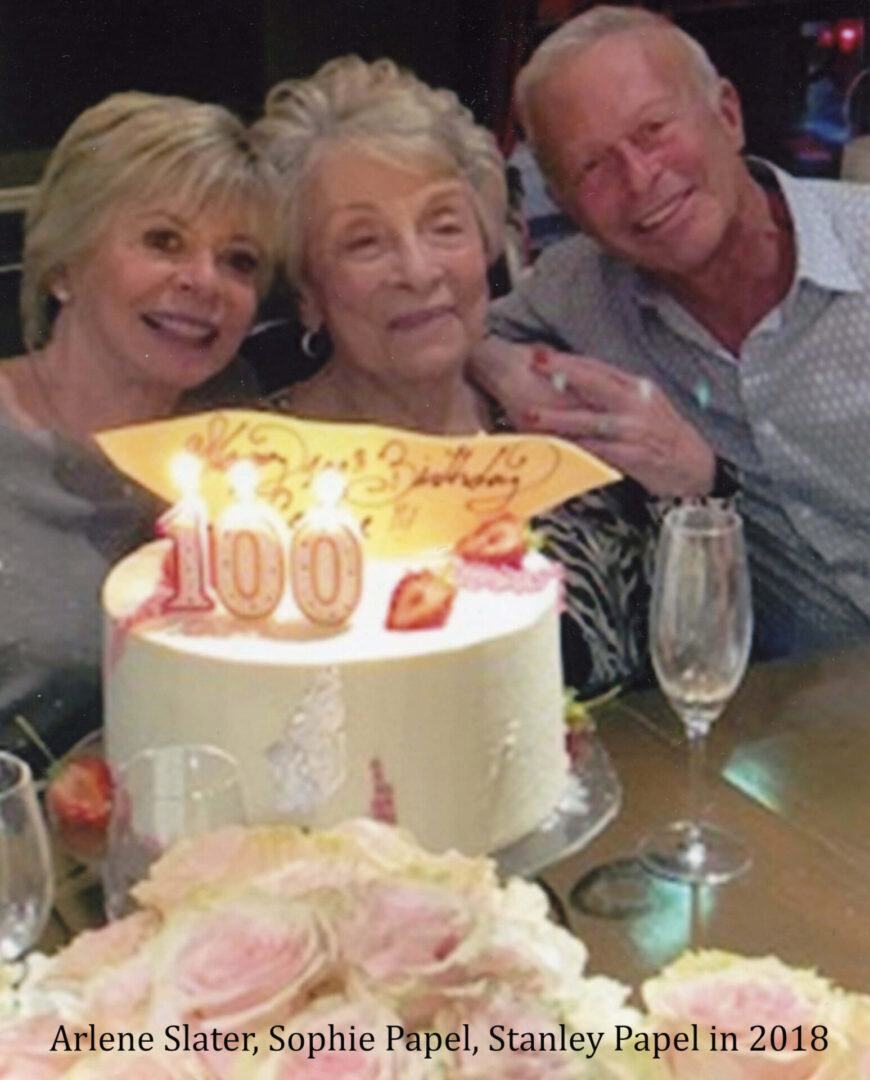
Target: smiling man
<point>725,303</point>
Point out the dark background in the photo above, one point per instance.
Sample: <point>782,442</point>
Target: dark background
<point>59,56</point>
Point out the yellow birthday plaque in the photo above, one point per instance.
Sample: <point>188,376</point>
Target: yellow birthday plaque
<point>410,492</point>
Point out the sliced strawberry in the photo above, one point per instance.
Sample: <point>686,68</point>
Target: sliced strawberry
<point>421,601</point>
<point>78,799</point>
<point>497,542</point>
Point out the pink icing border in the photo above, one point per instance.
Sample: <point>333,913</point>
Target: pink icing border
<point>151,608</point>
<point>481,576</point>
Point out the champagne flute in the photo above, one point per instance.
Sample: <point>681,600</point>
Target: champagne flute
<point>700,636</point>
<point>26,871</point>
<point>160,796</point>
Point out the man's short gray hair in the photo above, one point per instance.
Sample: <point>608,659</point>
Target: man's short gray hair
<point>129,148</point>
<point>382,109</point>
<point>579,34</point>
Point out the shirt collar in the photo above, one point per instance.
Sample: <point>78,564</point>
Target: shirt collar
<point>821,255</point>
<point>822,258</point>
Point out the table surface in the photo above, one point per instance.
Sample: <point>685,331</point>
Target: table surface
<point>787,764</point>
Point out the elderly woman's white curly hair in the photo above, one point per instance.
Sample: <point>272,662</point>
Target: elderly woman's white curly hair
<point>382,110</point>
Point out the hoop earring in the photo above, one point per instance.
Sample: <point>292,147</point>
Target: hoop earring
<point>309,343</point>
<point>316,343</point>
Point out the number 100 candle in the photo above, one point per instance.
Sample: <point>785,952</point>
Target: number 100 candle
<point>246,561</point>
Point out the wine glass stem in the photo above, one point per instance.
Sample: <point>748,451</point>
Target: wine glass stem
<point>697,734</point>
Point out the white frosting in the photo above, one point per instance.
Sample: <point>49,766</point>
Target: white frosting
<point>459,728</point>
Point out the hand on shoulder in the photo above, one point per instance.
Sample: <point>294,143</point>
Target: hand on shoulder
<point>627,422</point>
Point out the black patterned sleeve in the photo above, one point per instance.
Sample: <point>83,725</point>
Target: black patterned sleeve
<point>604,541</point>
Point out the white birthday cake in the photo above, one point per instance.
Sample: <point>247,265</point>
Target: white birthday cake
<point>353,613</point>
<point>455,732</point>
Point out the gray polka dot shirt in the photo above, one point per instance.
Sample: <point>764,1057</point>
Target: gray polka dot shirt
<point>792,412</point>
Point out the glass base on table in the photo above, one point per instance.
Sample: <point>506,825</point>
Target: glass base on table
<point>697,854</point>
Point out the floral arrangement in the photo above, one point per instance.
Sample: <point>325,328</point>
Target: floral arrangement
<point>274,954</point>
<point>786,1024</point>
<point>275,932</point>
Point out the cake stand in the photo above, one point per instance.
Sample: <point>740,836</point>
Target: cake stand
<point>591,801</point>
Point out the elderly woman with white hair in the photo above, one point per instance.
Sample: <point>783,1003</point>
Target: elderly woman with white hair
<point>147,247</point>
<point>394,205</point>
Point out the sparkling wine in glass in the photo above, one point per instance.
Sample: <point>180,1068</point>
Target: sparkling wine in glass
<point>700,636</point>
<point>26,871</point>
<point>163,795</point>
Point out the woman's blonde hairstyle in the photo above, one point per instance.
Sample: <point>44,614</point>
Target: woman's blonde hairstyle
<point>135,146</point>
<point>381,109</point>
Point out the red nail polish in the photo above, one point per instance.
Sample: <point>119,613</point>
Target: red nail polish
<point>531,416</point>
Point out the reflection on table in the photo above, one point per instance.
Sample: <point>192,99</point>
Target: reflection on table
<point>791,753</point>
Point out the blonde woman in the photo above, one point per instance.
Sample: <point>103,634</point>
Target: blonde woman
<point>147,247</point>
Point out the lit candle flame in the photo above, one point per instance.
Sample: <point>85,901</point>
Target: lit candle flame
<point>329,487</point>
<point>243,478</point>
<point>186,470</point>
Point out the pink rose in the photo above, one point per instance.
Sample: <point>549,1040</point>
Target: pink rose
<point>145,1065</point>
<point>306,876</point>
<point>109,969</point>
<point>360,850</point>
<point>110,945</point>
<point>115,998</point>
<point>223,857</point>
<point>25,1049</point>
<point>398,932</point>
<point>523,949</point>
<point>237,964</point>
<point>761,1001</point>
<point>409,943</point>
<point>350,1063</point>
<point>389,851</point>
<point>856,1025</point>
<point>490,1026</point>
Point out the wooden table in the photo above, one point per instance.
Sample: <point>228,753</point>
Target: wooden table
<point>790,774</point>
